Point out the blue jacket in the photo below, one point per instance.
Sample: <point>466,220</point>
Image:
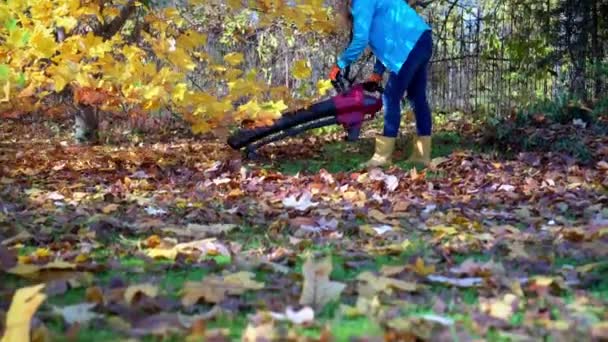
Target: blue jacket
<point>390,27</point>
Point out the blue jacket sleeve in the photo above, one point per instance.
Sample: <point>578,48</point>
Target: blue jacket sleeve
<point>379,68</point>
<point>363,14</point>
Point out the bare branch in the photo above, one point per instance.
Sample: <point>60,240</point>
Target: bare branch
<point>108,30</point>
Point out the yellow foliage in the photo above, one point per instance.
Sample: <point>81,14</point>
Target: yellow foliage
<point>301,70</point>
<point>160,73</point>
<point>26,302</point>
<point>234,58</point>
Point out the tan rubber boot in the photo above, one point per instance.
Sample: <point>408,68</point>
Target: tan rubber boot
<point>421,152</point>
<point>383,155</point>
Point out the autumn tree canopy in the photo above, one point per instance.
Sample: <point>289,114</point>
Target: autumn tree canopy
<point>142,56</point>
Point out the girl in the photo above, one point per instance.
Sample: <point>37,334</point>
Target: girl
<point>402,43</point>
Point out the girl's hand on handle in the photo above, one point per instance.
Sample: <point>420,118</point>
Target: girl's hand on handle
<point>375,78</point>
<point>335,73</point>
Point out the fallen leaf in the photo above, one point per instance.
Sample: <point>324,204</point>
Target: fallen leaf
<point>202,230</point>
<point>388,271</point>
<point>502,308</point>
<point>152,241</point>
<point>370,285</point>
<point>376,230</point>
<point>304,315</point>
<point>189,321</point>
<point>8,258</point>
<point>438,161</point>
<point>603,165</point>
<point>412,328</point>
<point>19,316</point>
<point>110,208</point>
<point>318,290</point>
<point>470,267</point>
<point>214,289</point>
<point>29,270</point>
<point>23,236</point>
<point>446,321</point>
<point>458,282</point>
<point>161,324</point>
<point>160,253</point>
<point>203,247</point>
<point>363,306</point>
<point>41,334</point>
<point>600,331</point>
<point>302,204</point>
<point>95,295</point>
<point>148,290</point>
<point>391,182</point>
<point>421,269</point>
<point>79,313</point>
<point>262,332</point>
<point>322,225</point>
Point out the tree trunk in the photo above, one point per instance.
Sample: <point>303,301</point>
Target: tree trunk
<point>86,124</point>
<point>596,48</point>
<point>577,15</point>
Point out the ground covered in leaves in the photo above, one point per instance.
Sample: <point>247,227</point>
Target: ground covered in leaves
<point>179,239</point>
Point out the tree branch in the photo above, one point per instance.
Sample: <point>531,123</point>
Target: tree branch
<point>108,30</point>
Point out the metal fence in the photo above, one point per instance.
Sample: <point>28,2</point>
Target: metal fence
<point>470,72</point>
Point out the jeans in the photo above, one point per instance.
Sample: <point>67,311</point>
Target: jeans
<point>411,78</point>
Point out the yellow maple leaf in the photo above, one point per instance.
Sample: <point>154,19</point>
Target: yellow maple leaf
<point>17,38</point>
<point>323,86</point>
<point>234,58</point>
<point>42,11</point>
<point>233,74</point>
<point>25,303</point>
<point>179,92</point>
<point>67,22</point>
<point>301,70</point>
<point>200,127</point>
<point>180,58</point>
<point>153,92</point>
<point>273,109</point>
<point>234,4</point>
<point>251,108</point>
<point>191,39</point>
<point>6,89</point>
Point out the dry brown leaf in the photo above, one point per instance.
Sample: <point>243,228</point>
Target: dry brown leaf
<point>600,331</point>
<point>262,332</point>
<point>94,295</point>
<point>500,308</point>
<point>421,269</point>
<point>132,292</point>
<point>201,230</point>
<point>318,290</point>
<point>389,271</point>
<point>29,270</point>
<point>213,289</point>
<point>371,285</point>
<point>110,208</point>
<point>18,319</point>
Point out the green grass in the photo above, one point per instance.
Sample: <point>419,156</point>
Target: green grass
<point>342,156</point>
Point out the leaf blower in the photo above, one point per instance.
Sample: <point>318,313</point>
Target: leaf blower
<point>353,104</point>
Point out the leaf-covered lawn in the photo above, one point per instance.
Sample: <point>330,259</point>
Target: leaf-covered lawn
<point>182,239</point>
